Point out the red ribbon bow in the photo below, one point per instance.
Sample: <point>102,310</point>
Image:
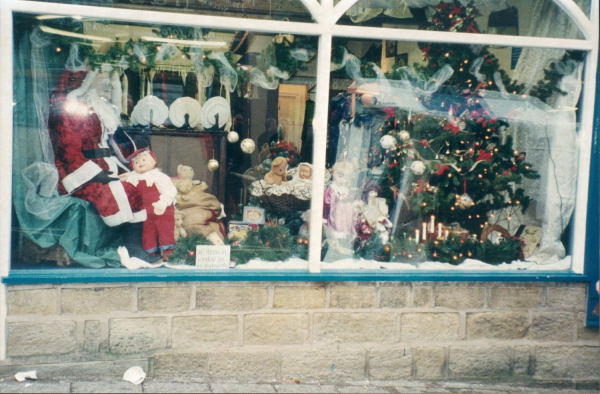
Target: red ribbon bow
<point>452,127</point>
<point>419,188</point>
<point>389,112</point>
<point>441,169</point>
<point>483,155</point>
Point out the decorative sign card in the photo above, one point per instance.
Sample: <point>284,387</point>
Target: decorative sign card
<point>213,257</point>
<point>254,215</point>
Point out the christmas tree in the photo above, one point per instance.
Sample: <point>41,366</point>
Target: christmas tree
<point>452,164</point>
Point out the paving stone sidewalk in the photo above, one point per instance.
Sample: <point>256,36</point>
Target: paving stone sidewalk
<point>155,386</point>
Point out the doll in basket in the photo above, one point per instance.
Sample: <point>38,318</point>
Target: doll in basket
<point>303,176</point>
<point>158,194</point>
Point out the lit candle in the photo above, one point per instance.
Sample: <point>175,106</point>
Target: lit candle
<point>439,230</point>
<point>417,237</point>
<point>432,224</point>
<point>424,231</point>
<point>446,235</point>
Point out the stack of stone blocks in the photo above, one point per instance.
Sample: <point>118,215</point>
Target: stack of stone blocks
<point>307,332</point>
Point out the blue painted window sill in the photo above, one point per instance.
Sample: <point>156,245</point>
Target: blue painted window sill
<point>121,275</point>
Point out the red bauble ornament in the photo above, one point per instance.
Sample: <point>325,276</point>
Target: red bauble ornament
<point>267,243</point>
<point>192,253</point>
<point>424,143</point>
<point>403,253</point>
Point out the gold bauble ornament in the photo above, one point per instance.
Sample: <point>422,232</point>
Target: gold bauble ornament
<point>404,136</point>
<point>213,165</point>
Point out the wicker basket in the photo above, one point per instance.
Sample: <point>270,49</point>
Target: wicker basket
<point>284,203</point>
<point>280,198</point>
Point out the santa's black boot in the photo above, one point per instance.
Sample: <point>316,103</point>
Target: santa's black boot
<point>132,240</point>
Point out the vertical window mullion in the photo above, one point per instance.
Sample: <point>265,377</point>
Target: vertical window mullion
<point>320,143</point>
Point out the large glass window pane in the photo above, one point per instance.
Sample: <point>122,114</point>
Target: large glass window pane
<point>280,10</point>
<point>216,126</point>
<point>450,155</point>
<point>287,10</point>
<point>540,18</point>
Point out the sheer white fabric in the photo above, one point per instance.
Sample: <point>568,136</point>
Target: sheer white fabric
<point>226,71</point>
<point>558,187</point>
<point>350,63</point>
<point>41,93</point>
<point>267,80</point>
<point>302,54</point>
<point>551,147</point>
<point>41,193</point>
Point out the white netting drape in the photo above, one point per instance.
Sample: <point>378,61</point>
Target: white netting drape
<point>350,63</point>
<point>364,10</point>
<point>41,193</point>
<point>41,93</point>
<point>550,146</point>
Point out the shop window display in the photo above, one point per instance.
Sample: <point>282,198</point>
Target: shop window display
<point>158,139</point>
<point>435,156</point>
<point>450,161</point>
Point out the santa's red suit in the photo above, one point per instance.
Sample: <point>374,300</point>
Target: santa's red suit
<point>81,125</point>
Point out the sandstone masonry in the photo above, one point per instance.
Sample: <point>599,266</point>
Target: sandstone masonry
<point>253,332</point>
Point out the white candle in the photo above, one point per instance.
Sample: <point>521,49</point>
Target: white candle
<point>439,230</point>
<point>417,237</point>
<point>432,224</point>
<point>125,86</point>
<point>446,236</point>
<point>424,231</point>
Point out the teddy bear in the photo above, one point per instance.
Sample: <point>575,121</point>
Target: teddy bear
<point>277,175</point>
<point>186,174</point>
<point>179,229</point>
<point>200,209</point>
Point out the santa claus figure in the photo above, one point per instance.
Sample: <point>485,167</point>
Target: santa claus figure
<point>82,123</point>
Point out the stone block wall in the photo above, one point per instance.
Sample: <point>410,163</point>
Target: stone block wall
<point>252,331</point>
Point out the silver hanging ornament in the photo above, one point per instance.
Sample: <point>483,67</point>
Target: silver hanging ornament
<point>248,146</point>
<point>213,165</point>
<point>233,137</point>
<point>418,167</point>
<point>387,142</point>
<point>462,124</point>
<point>465,201</point>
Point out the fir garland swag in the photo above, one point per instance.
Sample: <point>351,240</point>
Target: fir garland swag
<point>271,242</point>
<point>139,54</point>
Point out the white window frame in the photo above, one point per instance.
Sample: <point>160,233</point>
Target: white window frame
<point>325,16</point>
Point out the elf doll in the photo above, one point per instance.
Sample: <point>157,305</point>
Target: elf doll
<point>158,193</point>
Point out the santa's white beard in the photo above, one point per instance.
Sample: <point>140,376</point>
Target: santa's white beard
<point>107,113</point>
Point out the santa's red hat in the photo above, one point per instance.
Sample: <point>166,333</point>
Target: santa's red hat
<point>139,152</point>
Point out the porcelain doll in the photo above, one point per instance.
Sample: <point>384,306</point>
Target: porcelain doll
<point>338,210</point>
<point>303,176</point>
<point>158,194</point>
